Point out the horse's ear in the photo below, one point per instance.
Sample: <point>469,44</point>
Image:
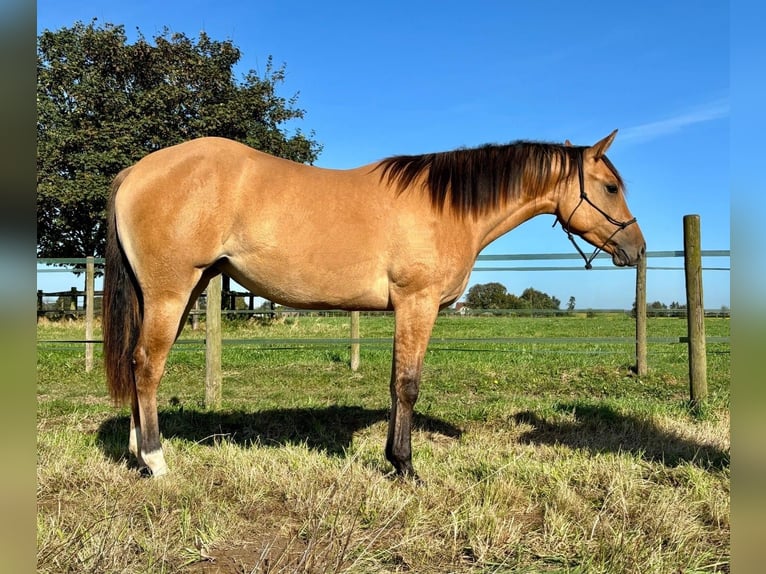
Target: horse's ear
<point>567,143</point>
<point>598,150</point>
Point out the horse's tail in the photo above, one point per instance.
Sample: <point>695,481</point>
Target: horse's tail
<point>121,309</point>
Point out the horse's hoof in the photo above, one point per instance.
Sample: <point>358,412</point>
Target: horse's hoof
<point>406,474</point>
<point>146,472</point>
<point>412,478</point>
<point>162,471</point>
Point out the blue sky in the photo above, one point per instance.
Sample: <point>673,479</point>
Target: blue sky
<point>378,79</point>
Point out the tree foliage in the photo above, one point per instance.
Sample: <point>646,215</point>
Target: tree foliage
<point>104,103</point>
<point>487,296</point>
<point>496,296</point>
<point>539,300</point>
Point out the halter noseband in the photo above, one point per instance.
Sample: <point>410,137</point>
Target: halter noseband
<point>584,197</point>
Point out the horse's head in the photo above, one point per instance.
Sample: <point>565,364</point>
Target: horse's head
<point>592,205</point>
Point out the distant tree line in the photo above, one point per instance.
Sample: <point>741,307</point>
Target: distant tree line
<point>496,296</point>
<point>675,309</point>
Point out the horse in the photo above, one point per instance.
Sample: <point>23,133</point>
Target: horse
<point>400,234</point>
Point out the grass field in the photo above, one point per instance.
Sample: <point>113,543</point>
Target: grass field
<point>533,457</point>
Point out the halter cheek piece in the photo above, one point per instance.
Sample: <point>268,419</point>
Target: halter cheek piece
<point>584,197</point>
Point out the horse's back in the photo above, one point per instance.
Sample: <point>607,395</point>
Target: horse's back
<point>222,170</point>
<point>295,233</point>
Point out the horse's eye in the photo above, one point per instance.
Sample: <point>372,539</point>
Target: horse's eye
<point>612,188</point>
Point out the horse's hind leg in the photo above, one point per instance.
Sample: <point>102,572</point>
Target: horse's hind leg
<point>134,442</point>
<point>158,332</point>
<point>161,318</point>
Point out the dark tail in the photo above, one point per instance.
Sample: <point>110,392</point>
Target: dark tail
<point>121,309</point>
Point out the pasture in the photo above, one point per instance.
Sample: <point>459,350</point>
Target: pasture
<point>533,457</point>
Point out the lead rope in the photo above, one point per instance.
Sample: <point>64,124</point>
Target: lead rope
<point>584,197</point>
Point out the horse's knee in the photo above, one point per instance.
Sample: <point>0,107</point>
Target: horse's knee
<point>410,392</point>
<point>407,387</point>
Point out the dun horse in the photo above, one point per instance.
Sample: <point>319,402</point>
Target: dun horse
<point>401,234</point>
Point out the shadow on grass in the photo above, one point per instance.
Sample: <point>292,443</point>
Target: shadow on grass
<point>596,428</point>
<point>328,429</point>
<point>599,428</point>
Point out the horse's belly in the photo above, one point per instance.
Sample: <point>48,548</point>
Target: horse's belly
<point>313,285</point>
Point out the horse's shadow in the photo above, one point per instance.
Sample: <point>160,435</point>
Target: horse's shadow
<point>326,429</point>
<point>595,428</point>
<point>600,428</point>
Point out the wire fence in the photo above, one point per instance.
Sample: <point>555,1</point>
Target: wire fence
<point>71,304</point>
<point>216,302</point>
<point>696,339</point>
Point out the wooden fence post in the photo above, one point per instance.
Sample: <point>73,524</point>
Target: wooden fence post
<point>695,311</point>
<point>90,287</point>
<point>195,315</point>
<point>74,300</point>
<point>641,366</point>
<point>213,375</point>
<point>355,335</point>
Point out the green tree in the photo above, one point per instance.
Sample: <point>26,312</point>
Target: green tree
<point>104,103</point>
<point>539,300</point>
<point>571,304</point>
<point>487,296</point>
<point>496,296</point>
<point>516,302</point>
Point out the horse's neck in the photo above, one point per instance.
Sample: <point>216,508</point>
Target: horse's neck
<point>511,215</point>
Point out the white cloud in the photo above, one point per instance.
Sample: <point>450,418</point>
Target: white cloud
<point>645,132</point>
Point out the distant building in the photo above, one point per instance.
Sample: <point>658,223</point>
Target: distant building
<point>461,308</point>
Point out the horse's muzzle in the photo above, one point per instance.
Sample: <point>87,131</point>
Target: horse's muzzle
<point>622,257</point>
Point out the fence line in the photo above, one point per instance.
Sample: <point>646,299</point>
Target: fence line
<point>75,294</point>
<point>331,341</point>
<point>694,311</point>
<point>76,310</point>
<point>667,254</point>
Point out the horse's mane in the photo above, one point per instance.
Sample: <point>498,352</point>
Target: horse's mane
<point>476,180</point>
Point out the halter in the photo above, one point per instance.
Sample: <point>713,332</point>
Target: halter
<point>584,197</point>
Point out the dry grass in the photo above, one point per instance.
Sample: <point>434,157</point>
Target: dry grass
<point>297,483</point>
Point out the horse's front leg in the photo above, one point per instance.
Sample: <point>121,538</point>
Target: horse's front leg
<point>414,321</point>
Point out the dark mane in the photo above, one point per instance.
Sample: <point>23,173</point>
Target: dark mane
<point>477,180</point>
